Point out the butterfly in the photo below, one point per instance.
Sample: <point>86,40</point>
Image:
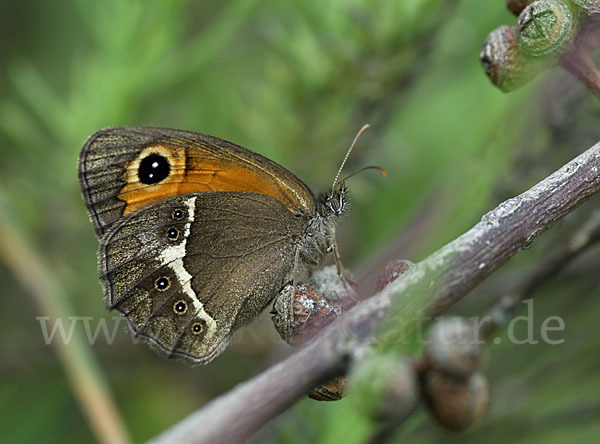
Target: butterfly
<point>197,234</point>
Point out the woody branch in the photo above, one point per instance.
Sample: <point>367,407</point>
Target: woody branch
<point>428,288</point>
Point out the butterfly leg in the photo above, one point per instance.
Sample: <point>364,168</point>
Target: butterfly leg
<point>294,272</point>
<point>336,256</point>
<point>346,279</point>
<point>295,269</point>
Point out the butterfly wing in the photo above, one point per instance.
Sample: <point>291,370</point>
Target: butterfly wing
<point>124,169</point>
<point>188,271</point>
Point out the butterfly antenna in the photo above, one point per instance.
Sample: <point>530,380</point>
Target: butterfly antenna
<point>360,131</point>
<point>370,167</point>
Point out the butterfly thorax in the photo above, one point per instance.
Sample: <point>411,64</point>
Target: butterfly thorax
<point>319,238</point>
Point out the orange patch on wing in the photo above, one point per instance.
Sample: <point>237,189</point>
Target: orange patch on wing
<point>201,173</point>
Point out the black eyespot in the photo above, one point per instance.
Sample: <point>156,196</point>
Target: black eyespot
<point>177,214</point>
<point>162,283</point>
<point>153,169</point>
<point>197,328</point>
<point>173,233</point>
<point>180,307</point>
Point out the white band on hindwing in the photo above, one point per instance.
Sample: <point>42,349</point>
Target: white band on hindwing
<point>172,257</point>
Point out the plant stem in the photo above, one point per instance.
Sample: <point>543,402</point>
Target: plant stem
<point>429,287</point>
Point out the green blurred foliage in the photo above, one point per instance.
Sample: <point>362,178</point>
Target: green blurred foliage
<point>292,80</point>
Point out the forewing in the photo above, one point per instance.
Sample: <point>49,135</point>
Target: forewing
<point>110,162</point>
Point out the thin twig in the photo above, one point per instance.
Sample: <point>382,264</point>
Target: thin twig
<point>578,60</point>
<point>428,287</point>
<point>580,64</point>
<point>547,269</point>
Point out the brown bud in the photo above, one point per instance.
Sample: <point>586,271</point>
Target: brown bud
<point>455,403</point>
<point>391,272</point>
<point>504,63</point>
<point>338,290</point>
<point>454,347</point>
<point>300,312</point>
<point>299,315</point>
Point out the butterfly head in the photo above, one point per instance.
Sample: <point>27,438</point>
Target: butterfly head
<point>335,203</point>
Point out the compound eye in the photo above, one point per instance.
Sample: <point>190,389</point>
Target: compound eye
<point>334,205</point>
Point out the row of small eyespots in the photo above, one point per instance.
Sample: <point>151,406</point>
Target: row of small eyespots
<point>180,307</point>
<point>172,233</point>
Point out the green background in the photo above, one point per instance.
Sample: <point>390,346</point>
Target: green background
<point>292,80</point>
